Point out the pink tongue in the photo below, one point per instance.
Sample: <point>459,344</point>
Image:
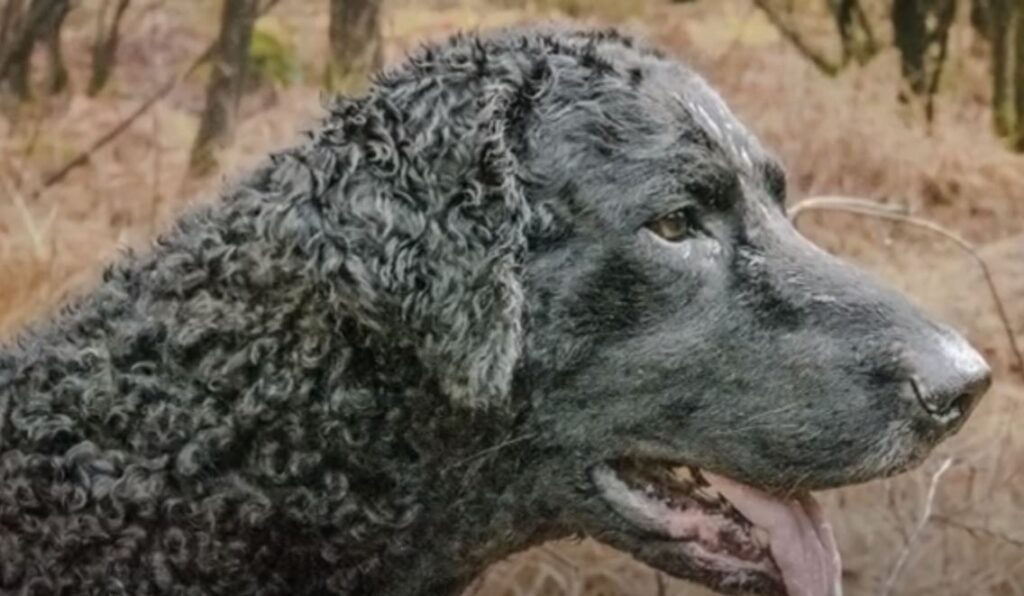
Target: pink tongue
<point>800,538</point>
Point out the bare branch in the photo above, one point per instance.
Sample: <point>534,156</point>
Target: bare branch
<point>882,211</point>
<point>789,32</point>
<point>919,528</point>
<point>735,42</point>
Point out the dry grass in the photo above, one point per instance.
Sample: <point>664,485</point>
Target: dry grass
<point>838,136</point>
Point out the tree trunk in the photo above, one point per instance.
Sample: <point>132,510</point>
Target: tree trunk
<point>921,31</point>
<point>57,75</point>
<point>1017,137</point>
<point>981,18</point>
<point>21,30</point>
<point>855,32</point>
<point>104,47</point>
<point>224,90</point>
<point>11,15</point>
<point>908,24</point>
<point>1007,33</point>
<point>1002,26</point>
<point>17,50</point>
<point>356,45</point>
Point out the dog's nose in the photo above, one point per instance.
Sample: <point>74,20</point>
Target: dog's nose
<point>949,383</point>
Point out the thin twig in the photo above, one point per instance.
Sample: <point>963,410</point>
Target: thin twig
<point>83,157</point>
<point>490,450</point>
<point>919,528</point>
<point>894,509</point>
<point>975,530</point>
<point>29,223</point>
<point>156,196</point>
<point>659,582</point>
<point>554,554</point>
<point>835,202</point>
<point>879,210</point>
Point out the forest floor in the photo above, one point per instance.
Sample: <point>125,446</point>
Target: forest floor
<point>845,136</point>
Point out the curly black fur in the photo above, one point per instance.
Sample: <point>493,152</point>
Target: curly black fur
<point>387,356</point>
<point>254,406</point>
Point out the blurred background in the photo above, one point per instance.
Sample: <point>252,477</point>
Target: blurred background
<point>117,114</point>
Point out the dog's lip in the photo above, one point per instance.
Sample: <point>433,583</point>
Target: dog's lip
<point>746,540</point>
<point>687,523</point>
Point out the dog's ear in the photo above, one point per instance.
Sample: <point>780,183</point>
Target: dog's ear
<point>472,297</point>
<point>421,232</point>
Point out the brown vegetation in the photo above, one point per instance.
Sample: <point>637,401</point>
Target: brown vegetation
<point>846,135</point>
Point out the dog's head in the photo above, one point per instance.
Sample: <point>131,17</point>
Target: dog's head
<point>680,325</point>
<point>601,232</point>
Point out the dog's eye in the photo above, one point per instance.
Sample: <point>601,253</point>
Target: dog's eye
<point>674,227</point>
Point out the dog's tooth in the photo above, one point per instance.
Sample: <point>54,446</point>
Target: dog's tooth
<point>711,494</point>
<point>684,473</point>
<point>761,536</point>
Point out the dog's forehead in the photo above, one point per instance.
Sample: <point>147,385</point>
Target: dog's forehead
<point>703,107</point>
<point>691,102</point>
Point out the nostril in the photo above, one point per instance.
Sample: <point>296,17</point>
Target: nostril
<point>963,403</point>
<point>974,390</point>
<point>951,401</point>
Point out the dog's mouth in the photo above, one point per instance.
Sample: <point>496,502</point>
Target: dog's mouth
<point>725,534</point>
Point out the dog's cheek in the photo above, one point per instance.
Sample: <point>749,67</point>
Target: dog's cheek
<point>612,298</point>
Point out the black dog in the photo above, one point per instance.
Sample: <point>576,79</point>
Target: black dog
<point>503,298</point>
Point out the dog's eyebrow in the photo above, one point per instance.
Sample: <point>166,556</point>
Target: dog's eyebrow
<point>774,176</point>
<point>711,181</point>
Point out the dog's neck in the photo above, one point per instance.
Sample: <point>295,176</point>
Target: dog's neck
<point>484,517</point>
<point>481,497</point>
